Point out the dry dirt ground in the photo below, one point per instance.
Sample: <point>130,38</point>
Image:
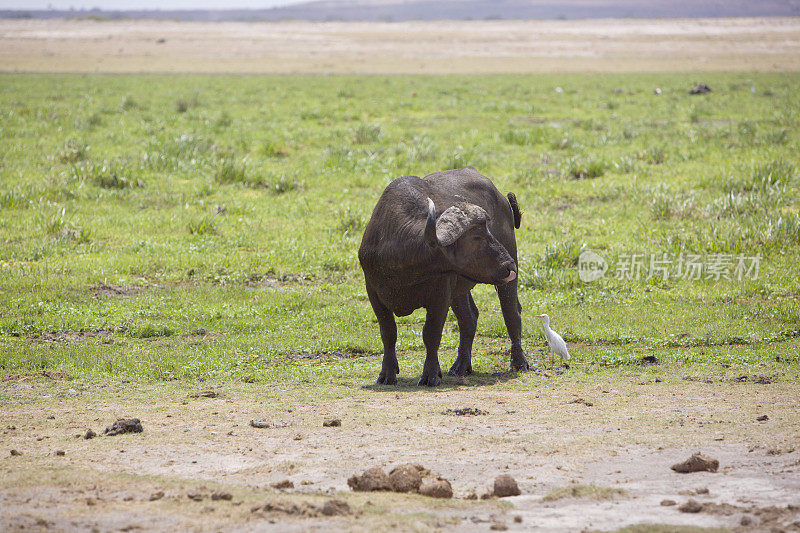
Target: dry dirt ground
<point>613,45</point>
<point>565,435</point>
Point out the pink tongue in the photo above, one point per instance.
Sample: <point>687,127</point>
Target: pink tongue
<point>511,277</point>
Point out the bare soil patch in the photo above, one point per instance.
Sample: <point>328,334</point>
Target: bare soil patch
<point>316,356</point>
<point>610,465</point>
<point>610,45</point>
<point>61,336</point>
<point>114,292</point>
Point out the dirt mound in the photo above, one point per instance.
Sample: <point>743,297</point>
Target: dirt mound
<point>696,463</point>
<point>372,479</point>
<point>124,425</point>
<point>406,478</point>
<point>436,488</point>
<point>506,485</point>
<point>332,423</point>
<point>336,507</point>
<point>691,506</point>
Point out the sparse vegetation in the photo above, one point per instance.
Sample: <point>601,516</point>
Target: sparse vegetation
<point>585,169</point>
<point>366,133</point>
<point>592,492</point>
<point>274,149</point>
<point>666,204</point>
<point>114,176</point>
<point>203,226</point>
<point>349,221</point>
<point>183,104</point>
<point>73,151</point>
<point>230,171</point>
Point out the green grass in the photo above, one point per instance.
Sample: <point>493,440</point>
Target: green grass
<point>236,204</point>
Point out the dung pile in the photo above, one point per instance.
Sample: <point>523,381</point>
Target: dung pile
<point>408,478</point>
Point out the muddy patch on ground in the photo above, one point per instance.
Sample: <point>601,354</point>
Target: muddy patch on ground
<point>333,507</point>
<point>200,337</point>
<point>111,291</point>
<point>48,374</point>
<point>758,379</point>
<point>259,282</point>
<point>316,356</point>
<point>62,336</point>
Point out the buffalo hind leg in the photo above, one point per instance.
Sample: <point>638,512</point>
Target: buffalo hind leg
<point>467,315</point>
<point>432,337</point>
<point>390,367</point>
<point>509,304</point>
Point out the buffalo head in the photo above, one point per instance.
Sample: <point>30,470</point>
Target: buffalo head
<point>462,234</point>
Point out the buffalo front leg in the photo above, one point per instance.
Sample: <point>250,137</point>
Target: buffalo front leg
<point>467,315</point>
<point>432,337</point>
<point>390,367</point>
<point>509,304</point>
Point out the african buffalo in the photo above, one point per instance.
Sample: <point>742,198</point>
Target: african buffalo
<point>428,243</point>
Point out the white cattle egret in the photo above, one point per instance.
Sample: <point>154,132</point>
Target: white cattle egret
<point>557,344</point>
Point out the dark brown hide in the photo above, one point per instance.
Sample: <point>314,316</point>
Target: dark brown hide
<point>427,244</point>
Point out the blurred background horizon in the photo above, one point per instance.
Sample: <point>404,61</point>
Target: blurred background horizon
<point>399,36</point>
<point>134,5</point>
<point>396,10</point>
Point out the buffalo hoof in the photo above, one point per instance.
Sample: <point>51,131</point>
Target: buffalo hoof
<point>386,379</point>
<point>433,380</point>
<point>520,364</point>
<point>460,368</point>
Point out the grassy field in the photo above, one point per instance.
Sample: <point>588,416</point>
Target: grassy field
<point>182,249</point>
<point>204,227</point>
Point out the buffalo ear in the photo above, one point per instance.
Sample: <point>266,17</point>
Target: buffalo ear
<point>456,220</point>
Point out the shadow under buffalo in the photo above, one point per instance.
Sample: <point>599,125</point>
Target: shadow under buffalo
<point>476,379</point>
